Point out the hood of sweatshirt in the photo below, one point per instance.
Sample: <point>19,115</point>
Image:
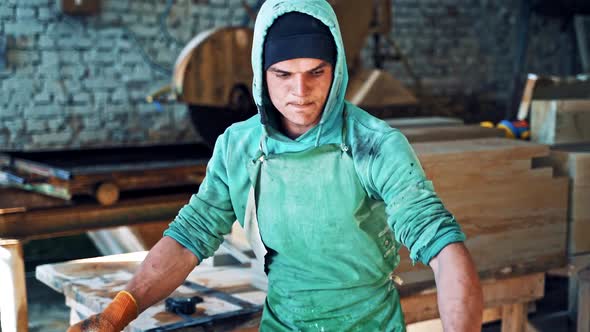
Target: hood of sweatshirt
<point>329,129</point>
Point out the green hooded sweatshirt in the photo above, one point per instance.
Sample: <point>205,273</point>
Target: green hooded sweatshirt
<point>385,163</point>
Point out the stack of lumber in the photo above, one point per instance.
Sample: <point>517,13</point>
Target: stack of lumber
<point>574,162</point>
<point>560,121</point>
<point>514,215</point>
<point>565,124</point>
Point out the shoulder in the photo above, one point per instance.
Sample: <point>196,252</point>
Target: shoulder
<point>367,133</point>
<point>362,120</point>
<point>241,138</point>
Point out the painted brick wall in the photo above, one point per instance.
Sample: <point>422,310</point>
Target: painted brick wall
<point>81,82</point>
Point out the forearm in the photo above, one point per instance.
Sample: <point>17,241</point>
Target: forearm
<point>166,266</point>
<point>460,299</point>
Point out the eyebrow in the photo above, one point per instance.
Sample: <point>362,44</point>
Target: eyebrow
<point>276,70</point>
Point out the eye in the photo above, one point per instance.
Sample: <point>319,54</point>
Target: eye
<point>318,72</point>
<point>282,75</point>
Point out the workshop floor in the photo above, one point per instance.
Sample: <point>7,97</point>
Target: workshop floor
<point>48,312</point>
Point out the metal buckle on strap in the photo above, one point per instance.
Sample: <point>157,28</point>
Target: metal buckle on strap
<point>396,279</point>
<point>344,147</point>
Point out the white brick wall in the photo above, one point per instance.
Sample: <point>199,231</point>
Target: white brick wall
<point>82,81</point>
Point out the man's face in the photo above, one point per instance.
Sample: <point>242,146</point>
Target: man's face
<point>298,88</point>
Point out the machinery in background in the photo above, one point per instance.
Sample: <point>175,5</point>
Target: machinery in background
<point>213,74</point>
<point>571,13</point>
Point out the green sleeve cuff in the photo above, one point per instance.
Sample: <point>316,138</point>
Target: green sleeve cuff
<point>180,238</point>
<point>434,249</point>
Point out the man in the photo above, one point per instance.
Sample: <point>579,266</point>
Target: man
<point>326,193</point>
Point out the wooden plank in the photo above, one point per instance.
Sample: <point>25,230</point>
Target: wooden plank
<point>478,149</point>
<point>85,217</point>
<point>509,206</point>
<point>560,121</point>
<point>13,302</point>
<point>133,180</point>
<point>573,161</point>
<point>12,198</point>
<point>449,133</point>
<point>499,254</point>
<point>496,292</point>
<point>435,325</point>
<point>514,227</point>
<point>472,177</point>
<point>126,239</point>
<point>495,168</point>
<point>514,317</point>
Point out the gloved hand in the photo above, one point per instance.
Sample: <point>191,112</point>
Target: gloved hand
<point>114,318</point>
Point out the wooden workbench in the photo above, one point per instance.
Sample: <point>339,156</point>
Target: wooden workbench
<point>90,284</point>
<point>18,227</point>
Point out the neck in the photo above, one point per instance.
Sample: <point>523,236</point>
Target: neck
<point>293,131</point>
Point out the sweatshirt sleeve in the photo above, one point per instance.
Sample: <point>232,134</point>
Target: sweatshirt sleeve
<point>415,213</point>
<point>201,224</point>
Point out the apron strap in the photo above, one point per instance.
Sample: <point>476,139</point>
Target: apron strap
<point>343,145</point>
<point>263,147</point>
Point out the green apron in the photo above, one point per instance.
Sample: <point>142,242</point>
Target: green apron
<point>328,251</point>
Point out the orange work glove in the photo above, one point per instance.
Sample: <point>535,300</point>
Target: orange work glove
<point>114,318</point>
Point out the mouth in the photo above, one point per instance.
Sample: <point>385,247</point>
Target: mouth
<point>301,105</point>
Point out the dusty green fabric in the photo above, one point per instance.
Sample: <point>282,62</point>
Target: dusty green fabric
<point>330,256</point>
<point>388,175</point>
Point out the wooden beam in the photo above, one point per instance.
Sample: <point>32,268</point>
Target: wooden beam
<point>449,133</point>
<point>85,217</point>
<point>13,302</point>
<point>496,293</point>
<point>514,317</point>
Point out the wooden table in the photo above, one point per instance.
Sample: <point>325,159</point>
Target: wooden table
<point>18,227</point>
<point>90,284</point>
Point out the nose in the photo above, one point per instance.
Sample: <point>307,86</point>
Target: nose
<point>300,86</point>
